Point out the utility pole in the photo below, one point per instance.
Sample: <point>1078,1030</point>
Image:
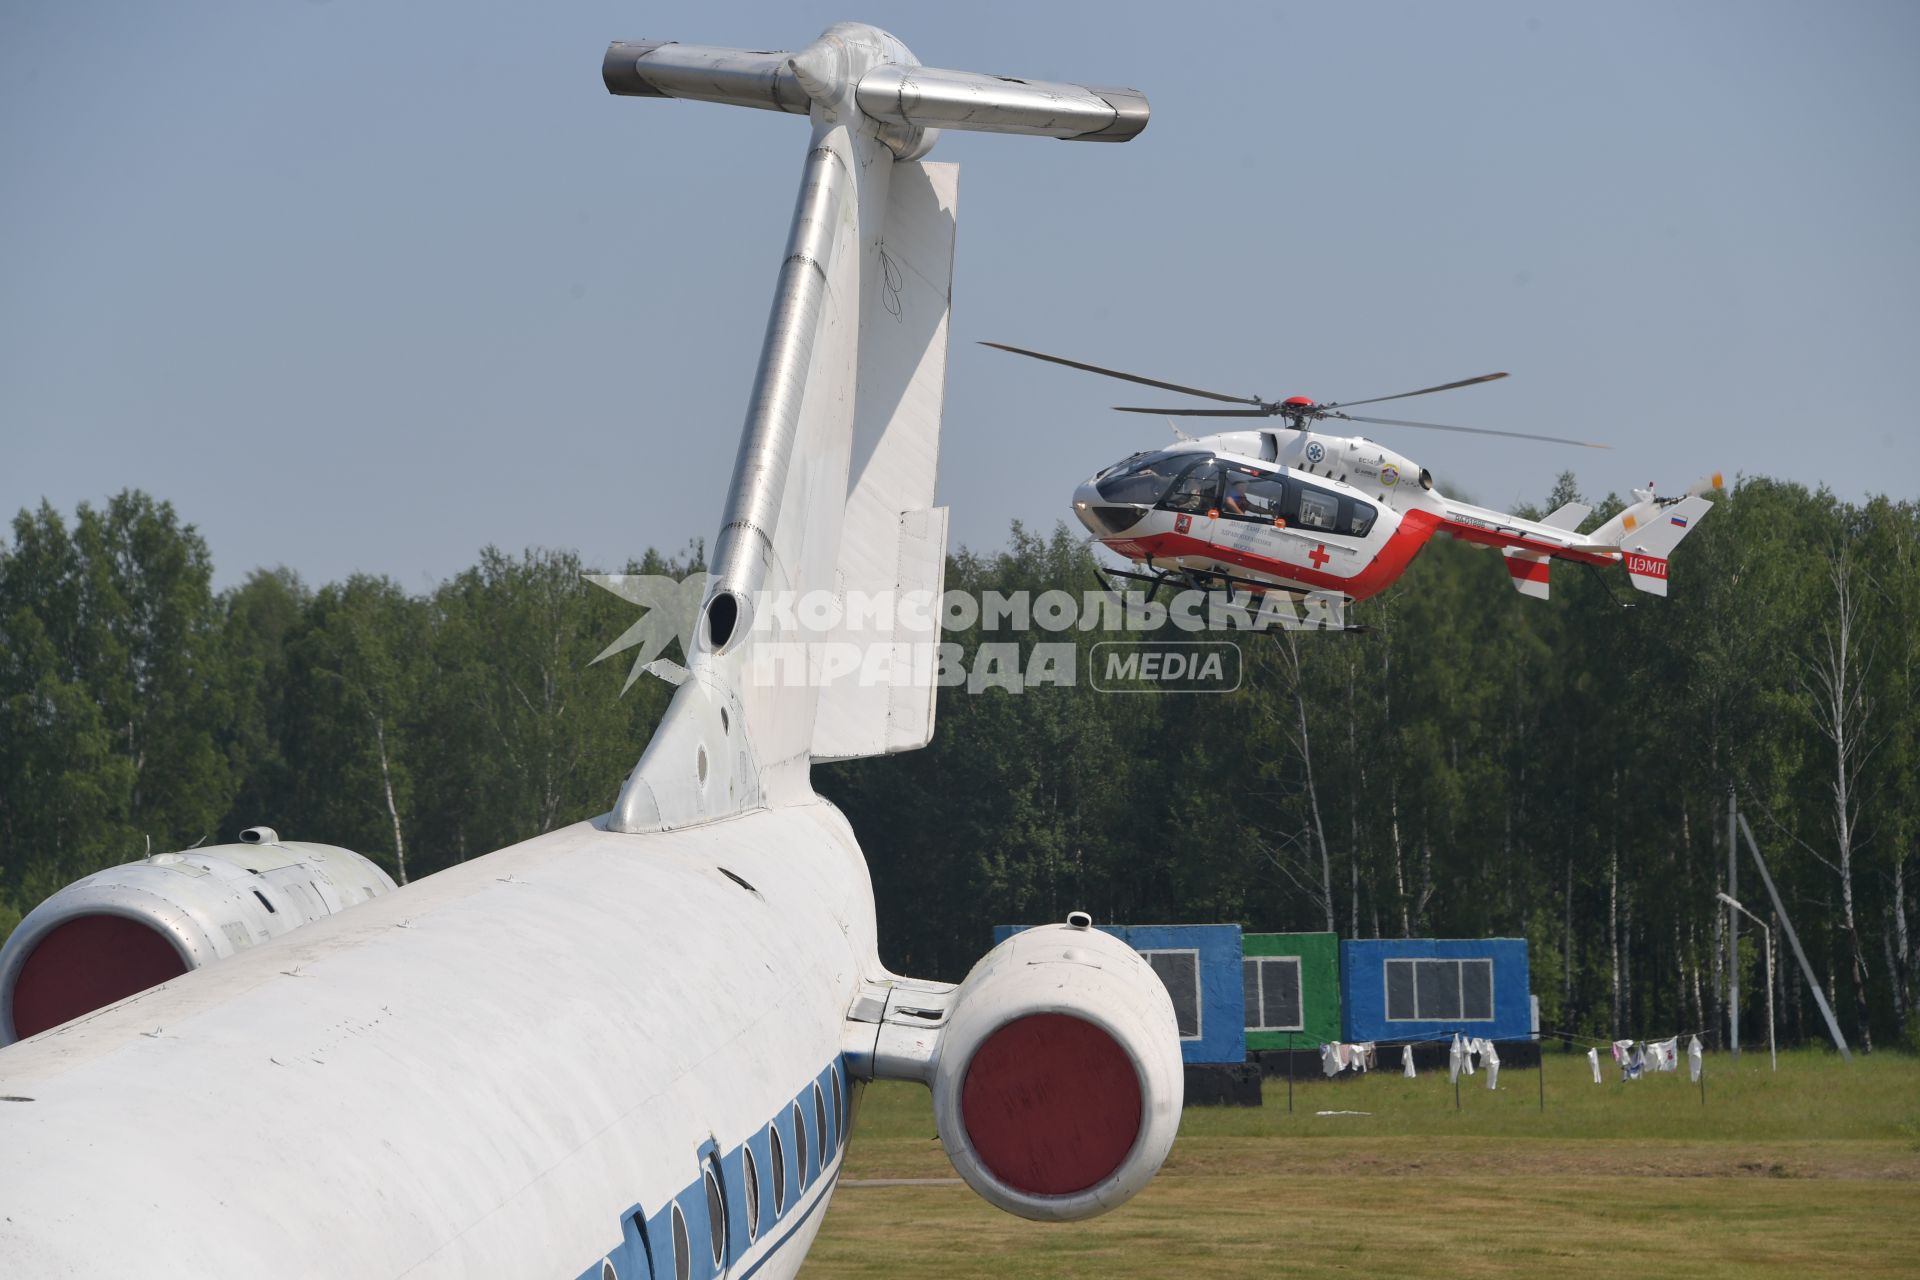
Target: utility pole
<point>1766,932</point>
<point>1733,926</point>
<point>1793,939</point>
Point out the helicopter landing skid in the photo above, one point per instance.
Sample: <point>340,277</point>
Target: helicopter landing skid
<point>1205,580</point>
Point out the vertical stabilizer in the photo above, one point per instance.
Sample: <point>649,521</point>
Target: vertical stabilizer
<point>1646,548</point>
<point>855,350</point>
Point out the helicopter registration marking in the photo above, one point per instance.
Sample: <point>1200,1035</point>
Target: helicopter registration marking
<point>1647,566</point>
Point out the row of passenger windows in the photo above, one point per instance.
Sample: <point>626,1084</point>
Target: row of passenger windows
<point>1240,493</point>
<point>1201,485</point>
<point>761,1196</point>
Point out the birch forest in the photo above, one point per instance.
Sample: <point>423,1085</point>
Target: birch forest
<point>1474,763</point>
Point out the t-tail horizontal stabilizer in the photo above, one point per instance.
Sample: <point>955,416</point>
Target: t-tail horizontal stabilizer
<point>832,490</point>
<point>898,92</point>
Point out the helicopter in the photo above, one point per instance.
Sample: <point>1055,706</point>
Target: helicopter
<point>1297,508</point>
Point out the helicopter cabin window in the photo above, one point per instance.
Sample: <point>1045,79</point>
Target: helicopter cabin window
<point>1252,495</point>
<point>1198,491</point>
<point>1126,464</point>
<point>1359,517</point>
<point>1318,510</point>
<point>1142,478</point>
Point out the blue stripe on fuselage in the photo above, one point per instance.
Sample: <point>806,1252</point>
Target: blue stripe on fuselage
<point>646,1246</point>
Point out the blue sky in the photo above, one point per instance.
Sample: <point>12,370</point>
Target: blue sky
<point>364,286</point>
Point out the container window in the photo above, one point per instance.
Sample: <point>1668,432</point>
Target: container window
<point>1180,971</point>
<point>1273,993</point>
<point>1439,990</point>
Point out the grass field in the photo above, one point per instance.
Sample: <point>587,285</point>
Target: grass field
<point>1814,1171</point>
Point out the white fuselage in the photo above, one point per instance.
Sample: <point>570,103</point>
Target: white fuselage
<point>1328,513</point>
<point>486,1071</point>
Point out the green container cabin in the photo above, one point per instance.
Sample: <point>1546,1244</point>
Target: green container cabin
<point>1292,989</point>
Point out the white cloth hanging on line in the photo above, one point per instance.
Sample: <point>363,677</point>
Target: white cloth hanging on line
<point>1693,1059</point>
<point>1406,1061</point>
<point>1664,1055</point>
<point>1492,1056</point>
<point>1456,1057</point>
<point>1622,1050</point>
<point>1337,1057</point>
<point>1593,1060</point>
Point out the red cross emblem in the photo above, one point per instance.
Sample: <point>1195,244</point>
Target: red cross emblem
<point>1319,556</point>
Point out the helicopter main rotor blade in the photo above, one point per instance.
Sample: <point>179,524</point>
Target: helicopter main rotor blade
<point>1197,413</point>
<point>1424,391</point>
<point>1125,377</point>
<point>1472,431</point>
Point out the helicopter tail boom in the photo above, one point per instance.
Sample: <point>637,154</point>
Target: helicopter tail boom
<point>1640,539</point>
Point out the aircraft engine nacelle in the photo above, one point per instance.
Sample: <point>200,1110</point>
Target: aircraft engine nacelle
<point>1057,1081</point>
<point>122,930</point>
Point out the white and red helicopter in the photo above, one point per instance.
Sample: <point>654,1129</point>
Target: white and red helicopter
<point>1299,509</point>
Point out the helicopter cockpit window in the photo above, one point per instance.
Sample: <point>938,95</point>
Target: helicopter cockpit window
<point>1142,479</point>
<point>1360,516</point>
<point>1125,464</point>
<point>1319,510</point>
<point>1198,491</point>
<point>1252,495</point>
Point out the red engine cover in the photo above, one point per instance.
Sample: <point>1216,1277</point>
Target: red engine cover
<point>86,964</point>
<point>1051,1104</point>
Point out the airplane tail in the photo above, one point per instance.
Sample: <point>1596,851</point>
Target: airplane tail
<point>820,619</point>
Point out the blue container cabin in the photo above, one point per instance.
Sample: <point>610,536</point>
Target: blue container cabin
<point>1430,988</point>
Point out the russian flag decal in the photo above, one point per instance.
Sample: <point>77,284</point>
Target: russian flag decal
<point>1681,521</point>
